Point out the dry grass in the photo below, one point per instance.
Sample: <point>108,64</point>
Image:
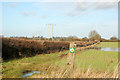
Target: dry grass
<point>77,73</point>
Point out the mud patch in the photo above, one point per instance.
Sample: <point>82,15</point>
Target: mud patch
<point>62,55</point>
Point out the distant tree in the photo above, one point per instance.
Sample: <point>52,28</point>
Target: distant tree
<point>93,35</point>
<point>103,40</point>
<point>50,39</point>
<point>85,39</point>
<point>61,39</point>
<point>71,38</point>
<point>33,37</point>
<point>78,39</point>
<point>38,36</point>
<point>113,38</point>
<point>42,38</point>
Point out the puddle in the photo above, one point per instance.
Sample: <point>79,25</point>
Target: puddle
<point>29,73</point>
<point>109,49</point>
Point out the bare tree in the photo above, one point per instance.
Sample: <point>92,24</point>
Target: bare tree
<point>93,35</point>
<point>114,38</point>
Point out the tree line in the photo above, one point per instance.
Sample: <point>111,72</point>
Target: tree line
<point>92,36</point>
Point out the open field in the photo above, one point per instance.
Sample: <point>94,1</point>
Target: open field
<point>89,63</point>
<point>59,39</point>
<point>109,44</point>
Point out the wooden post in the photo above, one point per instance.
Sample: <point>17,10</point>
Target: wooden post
<point>71,60</point>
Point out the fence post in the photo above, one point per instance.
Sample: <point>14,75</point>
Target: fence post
<point>71,60</point>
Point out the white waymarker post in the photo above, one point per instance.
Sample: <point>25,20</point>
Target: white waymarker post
<point>71,60</point>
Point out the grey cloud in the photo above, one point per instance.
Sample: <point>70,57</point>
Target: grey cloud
<point>25,14</point>
<point>105,5</point>
<point>95,5</point>
<point>28,13</point>
<point>84,7</point>
<point>44,16</point>
<point>13,4</point>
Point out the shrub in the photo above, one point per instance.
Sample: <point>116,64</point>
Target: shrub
<point>18,48</point>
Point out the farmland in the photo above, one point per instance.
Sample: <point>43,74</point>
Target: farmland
<point>88,64</point>
<point>109,44</point>
<point>63,39</point>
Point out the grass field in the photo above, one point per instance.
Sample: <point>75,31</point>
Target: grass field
<point>89,63</point>
<point>109,44</point>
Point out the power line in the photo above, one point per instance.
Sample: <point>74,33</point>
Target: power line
<point>49,30</point>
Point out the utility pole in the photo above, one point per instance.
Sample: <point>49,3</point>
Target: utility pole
<point>48,31</point>
<point>52,31</point>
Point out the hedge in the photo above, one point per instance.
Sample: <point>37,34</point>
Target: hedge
<point>18,48</point>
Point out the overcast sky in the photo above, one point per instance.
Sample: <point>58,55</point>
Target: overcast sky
<point>71,18</point>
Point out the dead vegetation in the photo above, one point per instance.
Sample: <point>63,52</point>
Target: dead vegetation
<point>77,73</point>
<point>19,48</point>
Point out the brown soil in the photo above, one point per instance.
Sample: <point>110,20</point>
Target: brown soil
<point>62,55</point>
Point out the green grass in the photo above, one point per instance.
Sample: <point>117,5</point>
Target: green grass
<point>14,68</point>
<point>109,44</point>
<point>99,61</point>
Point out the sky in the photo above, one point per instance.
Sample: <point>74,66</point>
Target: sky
<point>68,18</point>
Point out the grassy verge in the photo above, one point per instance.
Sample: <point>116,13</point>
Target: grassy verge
<point>14,68</point>
<point>109,44</point>
<point>92,62</point>
<point>97,60</point>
